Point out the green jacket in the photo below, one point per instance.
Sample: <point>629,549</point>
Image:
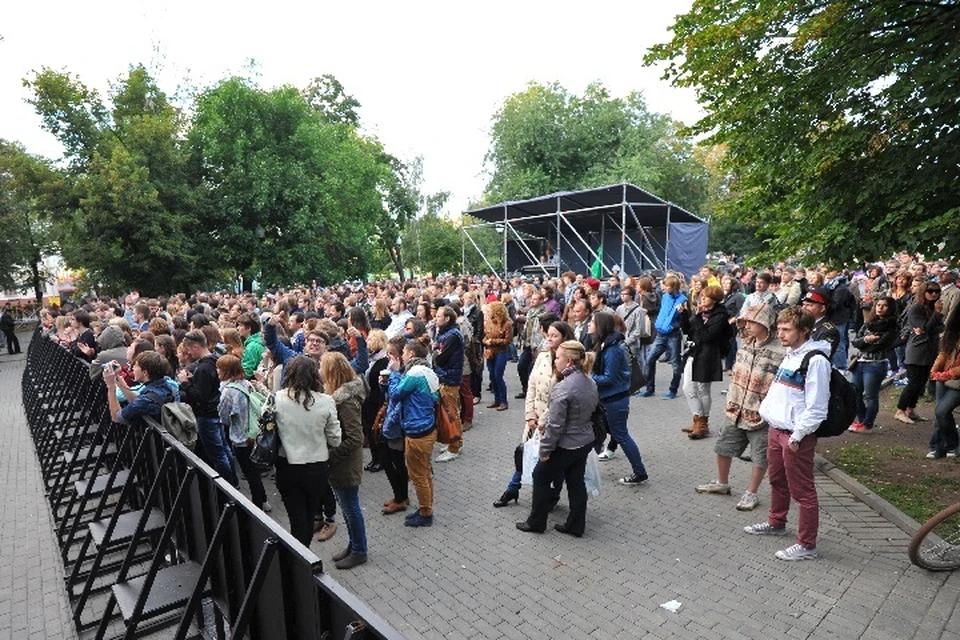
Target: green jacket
<point>252,353</point>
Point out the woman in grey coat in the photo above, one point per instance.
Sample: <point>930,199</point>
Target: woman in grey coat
<point>566,442</point>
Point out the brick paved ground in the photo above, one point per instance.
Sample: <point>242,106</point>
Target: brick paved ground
<point>33,600</point>
<point>473,575</point>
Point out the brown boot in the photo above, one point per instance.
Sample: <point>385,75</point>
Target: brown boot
<point>692,426</point>
<point>701,428</point>
<point>395,507</point>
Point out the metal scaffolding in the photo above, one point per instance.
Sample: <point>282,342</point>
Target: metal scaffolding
<point>613,225</point>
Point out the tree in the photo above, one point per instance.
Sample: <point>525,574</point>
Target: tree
<point>546,139</point>
<point>839,119</point>
<point>327,95</point>
<point>289,195</point>
<point>31,192</point>
<point>132,216</point>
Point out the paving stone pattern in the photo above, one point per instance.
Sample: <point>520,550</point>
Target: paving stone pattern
<point>33,599</point>
<point>473,575</point>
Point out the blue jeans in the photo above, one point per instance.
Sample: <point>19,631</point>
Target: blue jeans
<point>671,344</point>
<point>867,378</point>
<point>216,447</point>
<point>731,357</point>
<point>495,367</point>
<point>945,436</point>
<point>840,355</point>
<point>349,499</point>
<point>617,412</point>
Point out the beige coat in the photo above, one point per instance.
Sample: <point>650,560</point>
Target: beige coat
<point>538,391</point>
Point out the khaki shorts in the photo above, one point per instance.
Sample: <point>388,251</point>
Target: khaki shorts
<point>734,441</point>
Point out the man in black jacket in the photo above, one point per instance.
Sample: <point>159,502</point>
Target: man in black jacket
<point>8,327</point>
<point>200,388</point>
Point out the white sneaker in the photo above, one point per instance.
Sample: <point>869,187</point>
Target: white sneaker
<point>952,454</point>
<point>796,552</point>
<point>748,502</point>
<point>446,456</point>
<point>765,529</point>
<point>606,454</point>
<point>714,486</point>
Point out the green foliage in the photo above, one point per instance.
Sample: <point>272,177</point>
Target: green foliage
<point>327,95</point>
<point>290,196</point>
<point>69,110</point>
<point>130,219</point>
<point>729,235</point>
<point>839,119</point>
<point>546,139</point>
<point>30,193</point>
<point>274,185</point>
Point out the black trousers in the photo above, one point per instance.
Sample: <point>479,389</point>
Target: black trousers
<point>477,364</point>
<point>917,376</point>
<point>301,487</point>
<point>13,343</point>
<point>524,366</point>
<point>395,466</point>
<point>571,463</point>
<point>257,493</point>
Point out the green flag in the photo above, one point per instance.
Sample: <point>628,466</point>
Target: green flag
<point>596,269</point>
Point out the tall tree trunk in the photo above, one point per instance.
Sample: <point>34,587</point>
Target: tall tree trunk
<point>35,277</point>
<point>397,260</point>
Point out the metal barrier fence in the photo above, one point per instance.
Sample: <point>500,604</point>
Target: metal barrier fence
<point>152,538</point>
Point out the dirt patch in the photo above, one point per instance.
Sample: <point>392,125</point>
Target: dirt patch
<point>891,461</point>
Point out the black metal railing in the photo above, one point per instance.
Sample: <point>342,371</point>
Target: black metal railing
<point>153,539</point>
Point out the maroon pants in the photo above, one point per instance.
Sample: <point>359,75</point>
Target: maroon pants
<point>466,401</point>
<point>791,476</point>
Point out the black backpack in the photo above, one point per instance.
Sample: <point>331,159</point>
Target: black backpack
<point>842,406</point>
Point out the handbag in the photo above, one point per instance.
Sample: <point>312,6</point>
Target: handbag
<point>852,362</point>
<point>377,427</point>
<point>591,475</point>
<point>266,446</point>
<point>531,456</point>
<point>448,423</point>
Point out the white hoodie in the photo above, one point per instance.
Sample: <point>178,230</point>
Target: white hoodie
<point>794,404</point>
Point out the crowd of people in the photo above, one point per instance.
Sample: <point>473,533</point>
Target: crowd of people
<point>365,365</point>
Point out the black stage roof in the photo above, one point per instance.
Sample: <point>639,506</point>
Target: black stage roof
<point>650,210</point>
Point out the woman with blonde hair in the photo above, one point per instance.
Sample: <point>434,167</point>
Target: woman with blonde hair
<point>567,439</point>
<point>542,380</point>
<point>377,346</point>
<point>497,336</point>
<point>233,342</point>
<point>381,314</point>
<point>346,460</point>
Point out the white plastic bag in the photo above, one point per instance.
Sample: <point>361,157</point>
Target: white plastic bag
<point>531,456</point>
<point>591,475</point>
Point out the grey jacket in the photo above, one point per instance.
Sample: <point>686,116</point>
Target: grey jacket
<point>571,404</point>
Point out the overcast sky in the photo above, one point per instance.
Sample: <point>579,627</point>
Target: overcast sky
<point>429,75</point>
